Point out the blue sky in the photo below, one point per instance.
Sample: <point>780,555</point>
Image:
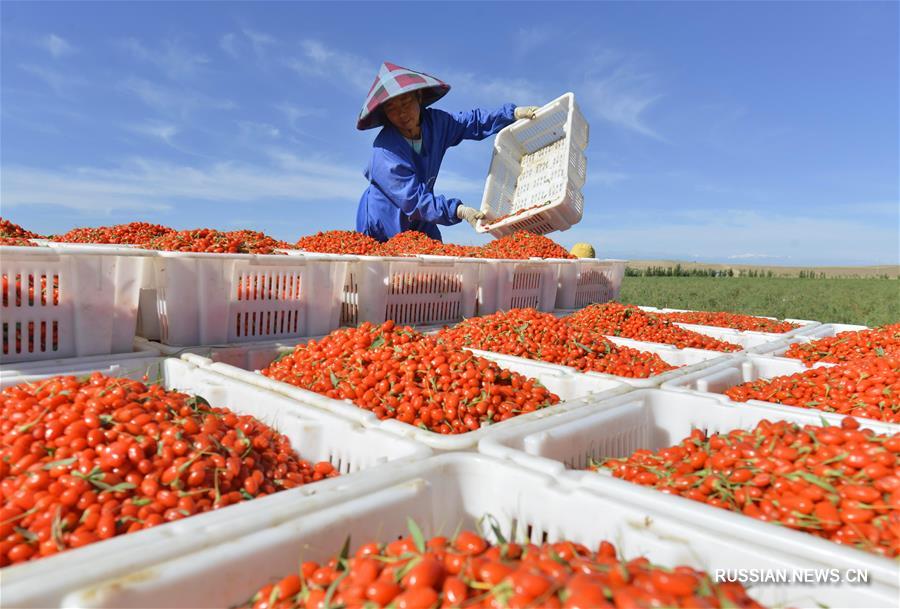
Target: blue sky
<point>745,132</point>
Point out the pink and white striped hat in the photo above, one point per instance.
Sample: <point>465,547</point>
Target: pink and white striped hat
<point>394,80</point>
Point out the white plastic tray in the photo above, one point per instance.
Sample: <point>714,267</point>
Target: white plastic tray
<point>587,281</point>
<point>319,436</point>
<point>806,325</point>
<point>687,360</point>
<point>574,390</point>
<point>202,299</point>
<point>93,312</point>
<point>653,419</point>
<point>459,490</point>
<point>549,187</point>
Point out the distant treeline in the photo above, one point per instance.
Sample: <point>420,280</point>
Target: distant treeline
<point>679,271</point>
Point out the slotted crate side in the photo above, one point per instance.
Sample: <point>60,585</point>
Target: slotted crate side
<point>460,491</point>
<point>204,299</point>
<point>537,171</point>
<point>58,304</point>
<point>315,434</point>
<point>510,284</point>
<point>588,281</point>
<point>411,291</point>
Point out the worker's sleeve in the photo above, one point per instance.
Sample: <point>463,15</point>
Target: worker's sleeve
<point>397,179</point>
<point>477,124</point>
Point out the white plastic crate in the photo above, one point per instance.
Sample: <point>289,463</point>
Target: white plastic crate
<point>715,380</point>
<point>749,342</point>
<point>471,491</point>
<point>653,419</point>
<point>813,334</point>
<point>319,436</point>
<point>77,365</point>
<point>67,303</point>
<point>202,299</point>
<point>248,356</point>
<point>574,390</point>
<point>513,284</point>
<point>806,325</point>
<point>411,290</point>
<point>537,171</point>
<point>587,281</point>
<point>687,360</point>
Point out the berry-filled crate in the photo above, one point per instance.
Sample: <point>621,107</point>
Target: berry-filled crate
<point>574,390</point>
<point>201,299</point>
<point>453,492</point>
<point>315,435</point>
<point>513,284</point>
<point>715,380</point>
<point>68,303</point>
<point>686,361</point>
<point>588,281</point>
<point>537,171</point>
<point>411,290</point>
<point>778,349</point>
<point>653,419</point>
<point>805,326</point>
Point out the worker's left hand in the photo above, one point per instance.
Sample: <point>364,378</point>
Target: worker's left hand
<point>526,112</point>
<point>469,214</point>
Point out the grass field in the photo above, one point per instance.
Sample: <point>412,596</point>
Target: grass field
<point>856,301</point>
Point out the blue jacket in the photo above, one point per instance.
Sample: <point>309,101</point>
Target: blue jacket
<point>400,195</point>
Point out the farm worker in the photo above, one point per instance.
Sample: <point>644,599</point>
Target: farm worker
<point>407,153</point>
<point>583,250</point>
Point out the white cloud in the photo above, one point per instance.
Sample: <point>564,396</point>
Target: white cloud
<point>171,99</point>
<point>56,45</point>
<point>459,186</point>
<point>528,39</point>
<point>155,130</point>
<point>60,82</point>
<point>340,67</point>
<point>255,130</point>
<point>484,90</point>
<point>158,185</point>
<point>259,41</point>
<point>227,44</point>
<point>615,90</point>
<point>605,177</point>
<point>750,256</point>
<point>293,112</point>
<point>725,233</point>
<point>171,58</point>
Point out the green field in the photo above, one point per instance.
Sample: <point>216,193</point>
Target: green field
<point>856,301</point>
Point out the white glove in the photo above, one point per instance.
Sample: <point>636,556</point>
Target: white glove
<point>469,214</point>
<point>526,112</point>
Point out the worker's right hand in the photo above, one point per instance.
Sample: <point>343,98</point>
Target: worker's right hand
<point>469,214</point>
<point>525,112</point>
